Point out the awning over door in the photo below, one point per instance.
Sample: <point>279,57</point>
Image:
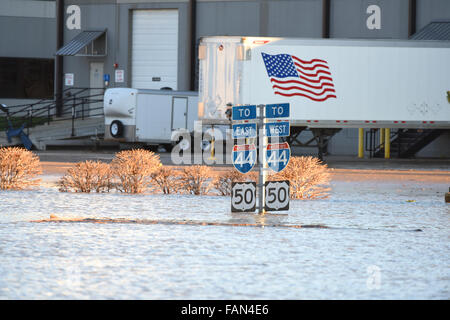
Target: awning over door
<point>436,30</point>
<point>87,43</point>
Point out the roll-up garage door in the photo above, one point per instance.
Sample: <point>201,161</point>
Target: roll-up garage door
<point>154,53</point>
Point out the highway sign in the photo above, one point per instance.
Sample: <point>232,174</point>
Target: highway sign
<point>279,110</point>
<point>244,112</point>
<point>278,155</point>
<point>277,195</point>
<point>277,129</point>
<point>244,130</point>
<point>244,157</point>
<point>243,197</point>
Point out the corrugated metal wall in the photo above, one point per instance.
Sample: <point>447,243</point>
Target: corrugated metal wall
<point>35,30</point>
<point>24,34</point>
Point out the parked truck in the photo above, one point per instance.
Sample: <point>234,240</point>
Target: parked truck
<point>330,84</point>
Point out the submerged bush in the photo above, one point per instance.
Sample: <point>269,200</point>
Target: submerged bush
<point>309,178</point>
<point>18,168</point>
<point>86,177</point>
<point>166,180</point>
<point>196,179</point>
<point>134,168</point>
<point>224,179</point>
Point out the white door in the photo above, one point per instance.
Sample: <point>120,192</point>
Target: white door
<point>95,82</point>
<point>179,113</point>
<point>154,50</point>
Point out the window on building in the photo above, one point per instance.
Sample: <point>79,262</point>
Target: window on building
<point>25,78</point>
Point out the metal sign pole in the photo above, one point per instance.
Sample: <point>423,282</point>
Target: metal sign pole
<point>262,159</point>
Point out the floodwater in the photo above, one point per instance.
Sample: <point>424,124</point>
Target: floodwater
<point>370,250</point>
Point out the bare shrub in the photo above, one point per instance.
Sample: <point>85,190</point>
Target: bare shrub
<point>223,180</point>
<point>308,178</point>
<point>196,179</point>
<point>166,180</point>
<point>87,176</point>
<point>133,169</point>
<point>18,168</point>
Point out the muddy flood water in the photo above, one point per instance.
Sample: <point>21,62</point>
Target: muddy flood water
<point>373,239</point>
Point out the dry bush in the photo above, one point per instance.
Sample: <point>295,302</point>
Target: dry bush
<point>166,180</point>
<point>195,179</point>
<point>18,168</point>
<point>308,178</point>
<point>86,177</point>
<point>223,180</point>
<point>133,168</point>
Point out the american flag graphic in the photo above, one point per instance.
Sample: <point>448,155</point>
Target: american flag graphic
<point>291,76</point>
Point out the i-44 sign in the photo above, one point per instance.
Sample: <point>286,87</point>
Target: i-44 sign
<point>244,157</point>
<point>278,155</point>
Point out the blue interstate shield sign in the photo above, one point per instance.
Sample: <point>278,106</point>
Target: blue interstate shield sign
<point>244,157</point>
<point>278,155</point>
<point>244,130</point>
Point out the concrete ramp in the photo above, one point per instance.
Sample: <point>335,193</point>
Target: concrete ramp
<point>60,132</point>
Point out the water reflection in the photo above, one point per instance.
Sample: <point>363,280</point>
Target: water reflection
<point>194,261</point>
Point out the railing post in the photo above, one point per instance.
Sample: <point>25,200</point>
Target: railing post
<point>82,108</point>
<point>73,118</point>
<point>48,114</point>
<point>30,119</point>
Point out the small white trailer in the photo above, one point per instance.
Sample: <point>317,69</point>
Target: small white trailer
<point>148,117</point>
<point>329,83</point>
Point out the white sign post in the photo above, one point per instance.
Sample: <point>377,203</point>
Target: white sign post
<point>262,160</point>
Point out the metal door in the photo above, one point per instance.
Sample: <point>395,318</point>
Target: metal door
<point>95,82</point>
<point>179,112</point>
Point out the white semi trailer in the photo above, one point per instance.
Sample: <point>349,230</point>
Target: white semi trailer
<point>332,84</point>
<point>329,83</point>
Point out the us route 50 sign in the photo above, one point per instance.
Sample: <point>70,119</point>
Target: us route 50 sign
<point>277,195</point>
<point>243,196</point>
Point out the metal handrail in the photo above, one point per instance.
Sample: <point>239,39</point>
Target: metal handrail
<point>372,142</point>
<point>70,103</point>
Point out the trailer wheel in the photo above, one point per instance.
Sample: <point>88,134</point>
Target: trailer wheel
<point>168,147</point>
<point>116,129</point>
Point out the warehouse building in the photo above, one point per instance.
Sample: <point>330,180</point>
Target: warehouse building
<point>50,46</point>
